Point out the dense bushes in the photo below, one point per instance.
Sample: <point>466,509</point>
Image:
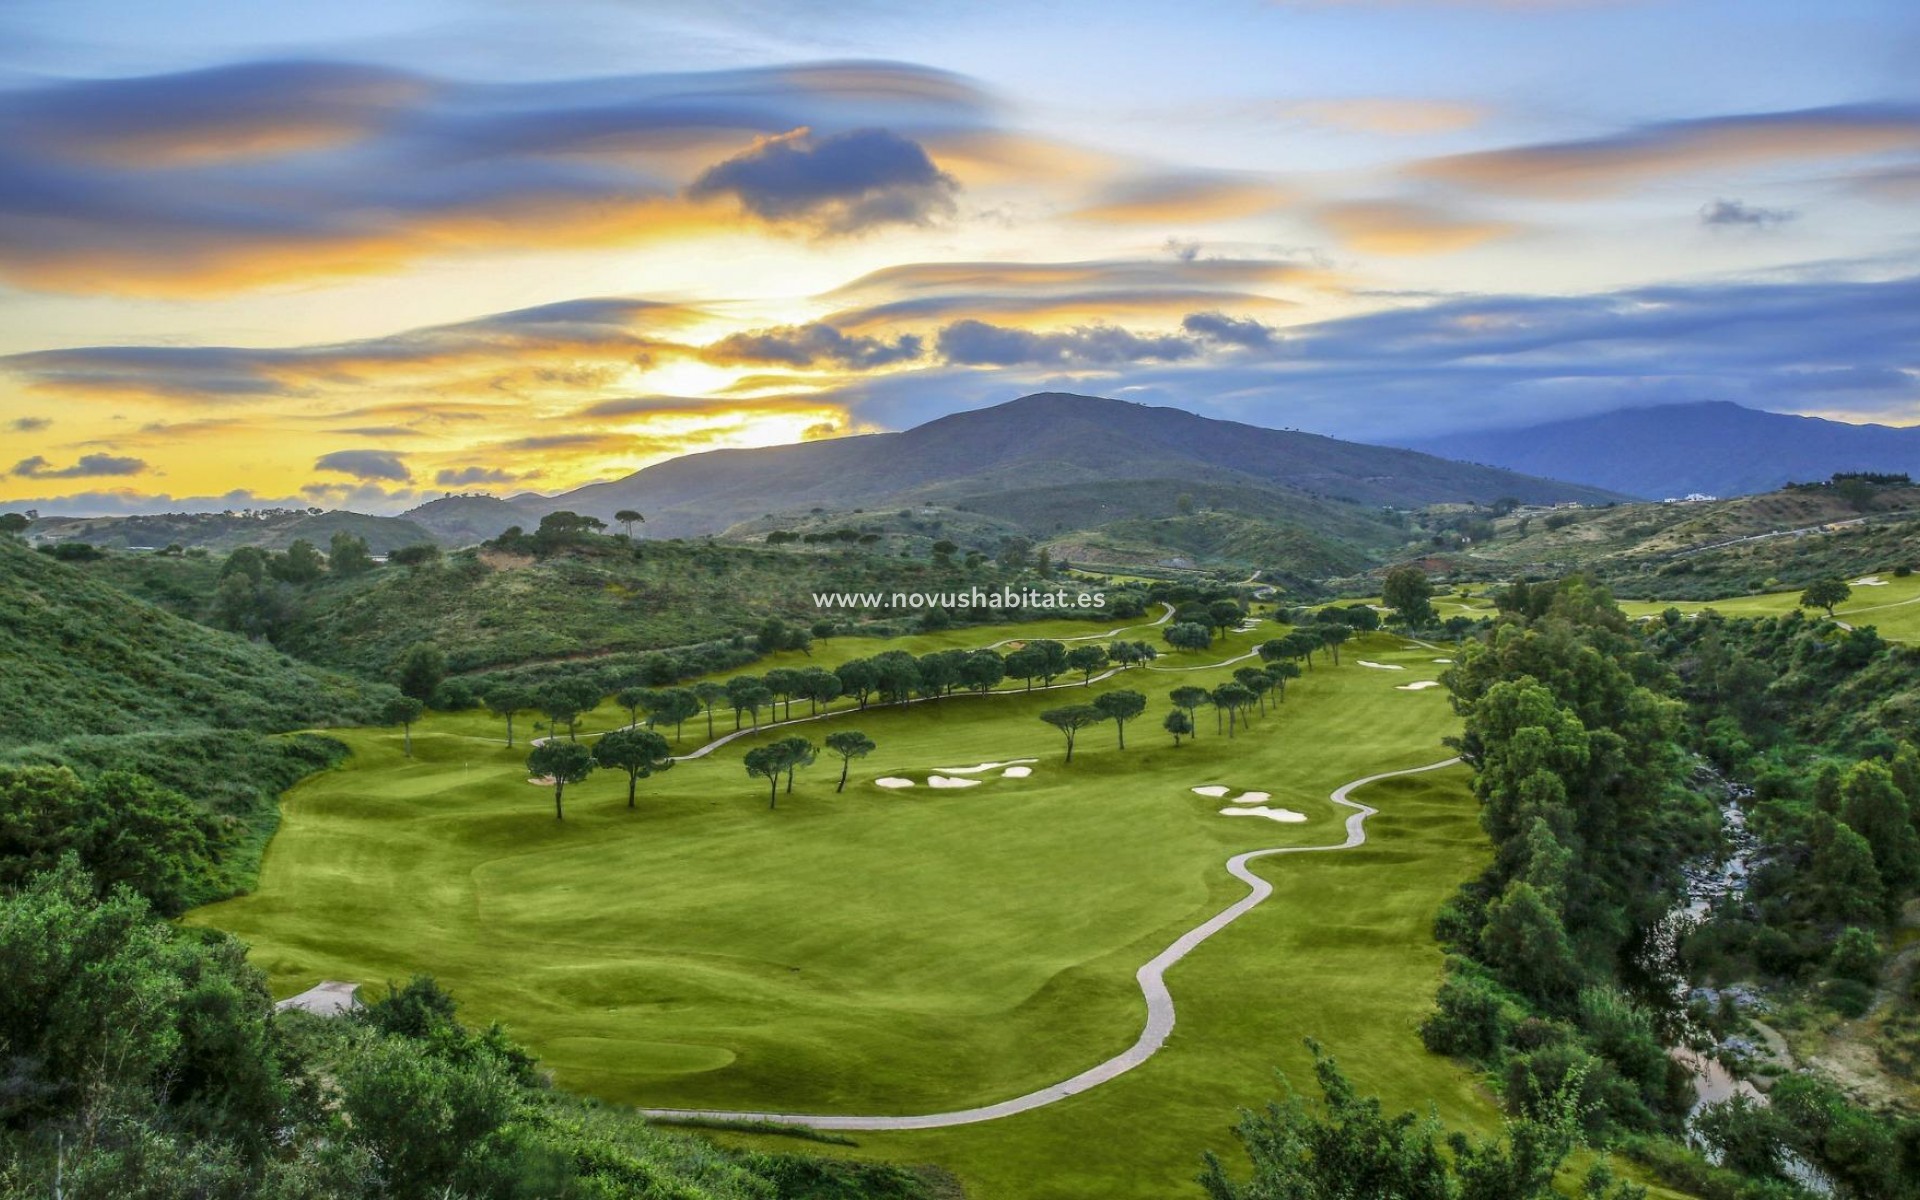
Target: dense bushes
<point>146,1063</point>
<point>84,658</point>
<point>234,778</point>
<point>120,827</point>
<point>1582,792</point>
<point>1573,724</point>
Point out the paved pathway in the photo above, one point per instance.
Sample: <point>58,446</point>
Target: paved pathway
<point>1153,985</point>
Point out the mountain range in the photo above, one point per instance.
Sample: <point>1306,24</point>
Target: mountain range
<point>1037,443</point>
<point>1715,447</point>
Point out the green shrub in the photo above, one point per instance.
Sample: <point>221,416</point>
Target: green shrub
<point>1473,1019</point>
<point>1856,957</point>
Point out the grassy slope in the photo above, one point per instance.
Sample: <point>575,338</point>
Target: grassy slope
<point>1135,522</point>
<point>580,605</point>
<point>903,952</point>
<point>1893,608</point>
<point>84,658</point>
<point>1719,549</point>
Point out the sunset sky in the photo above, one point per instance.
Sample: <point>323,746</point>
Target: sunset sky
<point>361,253</point>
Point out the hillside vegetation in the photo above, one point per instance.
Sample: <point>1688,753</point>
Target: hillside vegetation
<point>1697,551</point>
<point>271,529</point>
<point>85,658</point>
<point>103,683</point>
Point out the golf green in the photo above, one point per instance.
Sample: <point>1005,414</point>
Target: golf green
<point>915,950</point>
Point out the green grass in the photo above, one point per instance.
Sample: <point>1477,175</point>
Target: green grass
<point>1893,609</point>
<point>913,951</point>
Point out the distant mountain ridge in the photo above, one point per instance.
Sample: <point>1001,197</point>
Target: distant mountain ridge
<point>1043,440</point>
<point>1714,447</point>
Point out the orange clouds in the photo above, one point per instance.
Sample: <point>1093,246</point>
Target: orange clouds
<point>1597,166</point>
<point>1184,197</point>
<point>1391,117</point>
<point>1390,227</point>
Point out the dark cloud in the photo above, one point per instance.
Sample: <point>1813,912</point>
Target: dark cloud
<point>842,183</point>
<point>365,465</point>
<point>29,424</point>
<point>811,345</point>
<point>978,344</point>
<point>364,497</point>
<point>1722,213</point>
<point>213,180</point>
<point>1229,331</point>
<point>89,466</point>
<point>1447,364</point>
<point>243,110</point>
<point>468,476</point>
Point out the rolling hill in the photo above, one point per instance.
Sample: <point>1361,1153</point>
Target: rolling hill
<point>469,520</point>
<point>1717,448</point>
<point>1044,440</point>
<point>269,529</point>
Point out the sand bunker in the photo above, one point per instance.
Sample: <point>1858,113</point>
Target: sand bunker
<point>541,781</point>
<point>1016,772</point>
<point>1418,686</point>
<point>1253,797</point>
<point>892,781</point>
<point>949,781</point>
<point>1272,814</point>
<point>1381,666</point>
<point>978,768</point>
<point>1443,660</point>
<point>328,998</point>
<point>1213,791</point>
<point>1870,581</point>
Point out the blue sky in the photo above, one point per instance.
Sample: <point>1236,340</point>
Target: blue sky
<point>362,252</point>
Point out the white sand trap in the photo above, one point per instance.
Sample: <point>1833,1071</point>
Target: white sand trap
<point>328,998</point>
<point>1212,791</point>
<point>1870,581</point>
<point>1016,772</point>
<point>1419,685</point>
<point>1381,666</point>
<point>981,768</point>
<point>950,781</point>
<point>1272,814</point>
<point>1253,797</point>
<point>1444,660</point>
<point>541,781</point>
<point>892,781</point>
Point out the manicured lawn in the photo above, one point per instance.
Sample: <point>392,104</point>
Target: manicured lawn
<point>1892,606</point>
<point>917,950</point>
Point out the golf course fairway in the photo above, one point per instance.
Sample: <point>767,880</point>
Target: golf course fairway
<point>917,950</point>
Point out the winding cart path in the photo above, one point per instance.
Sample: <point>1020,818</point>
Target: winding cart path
<point>1153,985</point>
